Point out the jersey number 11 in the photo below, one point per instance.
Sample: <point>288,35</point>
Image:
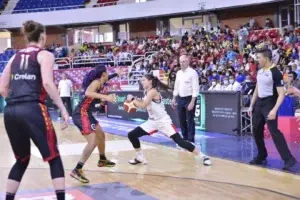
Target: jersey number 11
<point>24,61</point>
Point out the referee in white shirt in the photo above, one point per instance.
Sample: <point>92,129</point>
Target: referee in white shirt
<point>267,98</point>
<point>186,90</point>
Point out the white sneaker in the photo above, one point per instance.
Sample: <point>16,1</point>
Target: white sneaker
<point>138,160</point>
<point>59,118</point>
<point>206,161</point>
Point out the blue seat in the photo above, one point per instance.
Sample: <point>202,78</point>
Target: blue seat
<point>44,5</point>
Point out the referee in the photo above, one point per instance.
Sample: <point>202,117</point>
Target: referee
<point>267,98</point>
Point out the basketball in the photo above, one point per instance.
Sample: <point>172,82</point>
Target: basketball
<point>129,107</point>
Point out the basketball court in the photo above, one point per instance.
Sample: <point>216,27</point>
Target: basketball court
<point>171,173</point>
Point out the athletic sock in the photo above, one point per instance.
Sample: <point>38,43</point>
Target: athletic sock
<point>102,157</point>
<point>140,154</point>
<point>60,194</point>
<point>10,196</point>
<point>79,165</point>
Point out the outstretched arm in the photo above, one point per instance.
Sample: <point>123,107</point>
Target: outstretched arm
<point>144,103</point>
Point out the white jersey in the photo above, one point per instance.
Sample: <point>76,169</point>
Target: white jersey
<point>156,109</point>
<point>159,120</point>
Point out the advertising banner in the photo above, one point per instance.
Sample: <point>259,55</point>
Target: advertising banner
<point>215,112</point>
<point>222,112</point>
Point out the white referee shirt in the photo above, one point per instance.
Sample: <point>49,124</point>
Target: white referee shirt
<point>186,83</point>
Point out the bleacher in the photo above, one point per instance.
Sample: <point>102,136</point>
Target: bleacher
<point>4,58</point>
<point>24,6</point>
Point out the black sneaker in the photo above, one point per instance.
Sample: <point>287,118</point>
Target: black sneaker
<point>106,163</point>
<point>258,161</point>
<point>290,163</point>
<point>79,175</point>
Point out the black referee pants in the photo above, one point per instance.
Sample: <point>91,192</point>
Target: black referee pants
<point>262,108</point>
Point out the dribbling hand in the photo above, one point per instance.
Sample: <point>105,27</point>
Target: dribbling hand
<point>111,98</point>
<point>65,117</point>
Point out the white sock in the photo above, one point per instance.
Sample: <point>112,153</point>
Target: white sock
<point>139,154</point>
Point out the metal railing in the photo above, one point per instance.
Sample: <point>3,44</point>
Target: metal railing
<point>78,62</point>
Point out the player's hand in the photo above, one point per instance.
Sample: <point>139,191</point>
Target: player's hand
<point>272,115</point>
<point>129,97</point>
<point>119,71</point>
<point>250,110</point>
<point>65,117</point>
<point>173,103</point>
<point>111,98</point>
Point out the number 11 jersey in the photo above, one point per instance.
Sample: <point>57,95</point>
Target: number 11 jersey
<point>26,79</point>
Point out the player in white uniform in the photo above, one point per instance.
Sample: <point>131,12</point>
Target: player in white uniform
<point>159,120</point>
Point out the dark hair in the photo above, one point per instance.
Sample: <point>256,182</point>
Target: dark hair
<point>32,30</point>
<point>93,75</point>
<point>157,83</point>
<point>294,74</point>
<point>267,53</point>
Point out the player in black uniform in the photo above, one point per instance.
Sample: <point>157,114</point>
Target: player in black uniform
<point>25,81</point>
<point>82,117</point>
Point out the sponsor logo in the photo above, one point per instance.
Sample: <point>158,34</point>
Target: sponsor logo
<point>30,77</point>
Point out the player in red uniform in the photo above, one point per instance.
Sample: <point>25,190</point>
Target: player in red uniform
<point>83,118</point>
<point>25,82</point>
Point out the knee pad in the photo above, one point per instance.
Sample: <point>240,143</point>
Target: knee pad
<point>18,170</point>
<point>56,168</point>
<point>134,135</point>
<point>182,143</point>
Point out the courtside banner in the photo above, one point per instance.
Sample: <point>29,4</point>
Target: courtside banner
<point>215,111</point>
<point>222,112</point>
<point>117,110</point>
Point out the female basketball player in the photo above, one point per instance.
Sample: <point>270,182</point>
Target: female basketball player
<point>87,124</point>
<point>159,120</point>
<point>24,82</point>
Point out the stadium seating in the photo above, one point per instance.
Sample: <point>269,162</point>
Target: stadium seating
<point>4,58</point>
<point>47,5</point>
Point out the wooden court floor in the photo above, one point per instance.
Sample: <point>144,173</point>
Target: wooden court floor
<point>170,174</point>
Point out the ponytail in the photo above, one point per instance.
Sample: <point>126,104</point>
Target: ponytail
<point>156,83</point>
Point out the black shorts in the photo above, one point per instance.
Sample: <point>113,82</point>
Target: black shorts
<point>30,120</point>
<point>85,122</point>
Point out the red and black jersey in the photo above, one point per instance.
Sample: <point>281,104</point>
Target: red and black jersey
<point>26,79</point>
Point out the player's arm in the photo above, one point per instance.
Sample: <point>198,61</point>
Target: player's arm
<point>144,103</point>
<point>119,71</point>
<point>92,91</point>
<point>255,95</point>
<point>46,60</point>
<point>5,79</point>
<point>278,82</point>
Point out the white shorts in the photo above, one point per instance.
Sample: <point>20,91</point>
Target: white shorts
<point>164,125</point>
